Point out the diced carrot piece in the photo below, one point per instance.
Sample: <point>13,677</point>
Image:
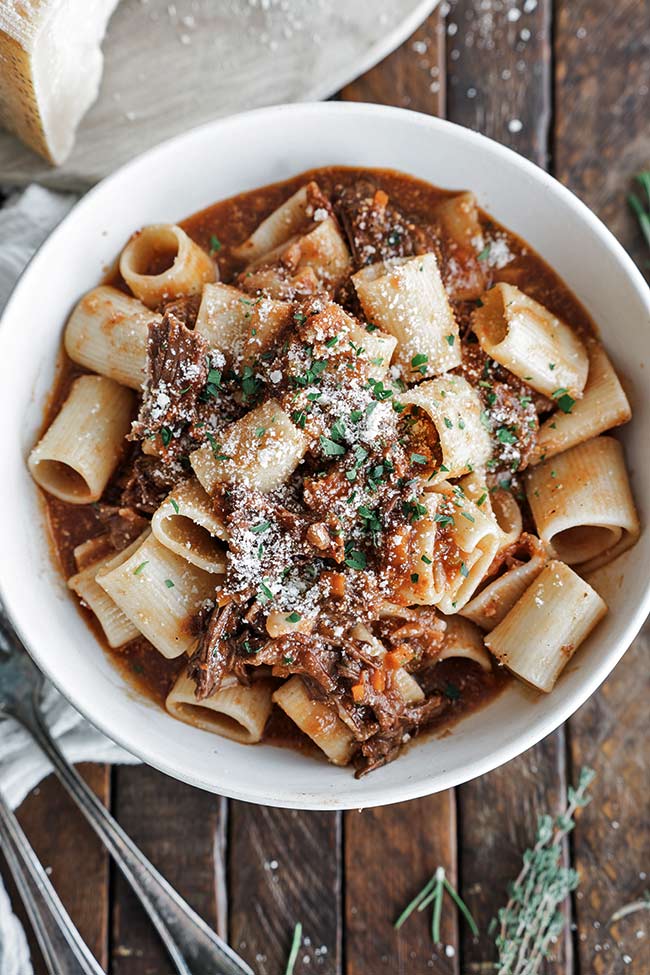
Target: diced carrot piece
<point>358,692</point>
<point>336,582</point>
<point>396,658</point>
<point>378,680</point>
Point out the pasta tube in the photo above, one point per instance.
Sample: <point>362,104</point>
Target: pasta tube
<point>80,450</point>
<point>234,711</point>
<point>278,228</point>
<point>161,263</point>
<point>160,593</point>
<point>317,719</point>
<point>241,327</point>
<point>107,333</point>
<point>261,450</point>
<point>473,538</point>
<point>493,602</point>
<point>522,335</point>
<point>118,628</point>
<point>463,639</point>
<point>603,405</point>
<point>407,298</point>
<point>187,524</point>
<point>542,631</point>
<point>582,503</point>
<point>463,442</point>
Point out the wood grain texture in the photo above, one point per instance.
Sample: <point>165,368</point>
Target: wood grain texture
<point>284,867</point>
<point>611,843</point>
<point>602,139</point>
<point>412,77</point>
<point>499,83</point>
<point>73,857</point>
<point>602,136</point>
<point>390,853</point>
<point>182,831</point>
<point>498,72</point>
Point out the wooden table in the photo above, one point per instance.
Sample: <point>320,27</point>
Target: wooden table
<point>565,84</point>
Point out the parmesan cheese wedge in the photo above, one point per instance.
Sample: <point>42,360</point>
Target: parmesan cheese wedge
<point>50,69</point>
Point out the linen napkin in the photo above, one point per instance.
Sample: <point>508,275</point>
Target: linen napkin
<point>25,221</point>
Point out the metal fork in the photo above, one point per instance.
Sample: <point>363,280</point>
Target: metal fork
<point>193,947</point>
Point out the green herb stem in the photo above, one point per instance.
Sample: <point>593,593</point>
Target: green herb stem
<point>295,948</point>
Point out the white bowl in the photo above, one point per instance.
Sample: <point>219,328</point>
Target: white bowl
<point>185,175</point>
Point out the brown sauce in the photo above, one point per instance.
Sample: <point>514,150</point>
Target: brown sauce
<point>216,229</point>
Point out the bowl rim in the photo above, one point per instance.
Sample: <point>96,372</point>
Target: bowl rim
<point>540,727</point>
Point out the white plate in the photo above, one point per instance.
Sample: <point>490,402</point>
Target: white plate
<point>170,66</point>
<point>184,175</point>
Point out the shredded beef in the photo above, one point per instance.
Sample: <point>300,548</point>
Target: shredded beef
<point>148,483</point>
<point>185,310</point>
<point>213,656</point>
<point>177,366</point>
<point>124,524</point>
<point>376,230</point>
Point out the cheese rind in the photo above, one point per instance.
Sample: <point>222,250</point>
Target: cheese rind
<point>50,69</point>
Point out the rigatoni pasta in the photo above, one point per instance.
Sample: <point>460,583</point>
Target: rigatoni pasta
<point>582,503</point>
<point>542,631</point>
<point>260,450</point>
<point>161,263</point>
<point>107,333</point>
<point>82,447</point>
<point>531,342</point>
<point>160,593</point>
<point>407,299</point>
<point>235,711</point>
<point>118,628</point>
<point>603,406</point>
<point>187,523</point>
<point>460,442</point>
<point>302,499</point>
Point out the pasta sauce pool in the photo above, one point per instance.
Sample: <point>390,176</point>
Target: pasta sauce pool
<point>463,683</point>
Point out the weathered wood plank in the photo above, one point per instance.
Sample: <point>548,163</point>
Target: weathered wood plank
<point>73,857</point>
<point>602,139</point>
<point>182,831</point>
<point>498,71</point>
<point>390,853</point>
<point>412,77</point>
<point>285,867</point>
<point>602,136</point>
<point>611,843</point>
<point>499,83</point>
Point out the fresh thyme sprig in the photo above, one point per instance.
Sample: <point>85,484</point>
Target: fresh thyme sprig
<point>531,920</point>
<point>295,948</point>
<point>433,893</point>
<point>639,208</point>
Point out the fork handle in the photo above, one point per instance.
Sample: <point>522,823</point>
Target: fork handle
<point>63,949</point>
<point>194,948</point>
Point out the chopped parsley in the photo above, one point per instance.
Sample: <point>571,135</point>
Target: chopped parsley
<point>215,244</point>
<point>169,583</point>
<point>174,503</point>
<point>563,399</point>
<point>355,560</point>
<point>263,526</point>
<point>419,362</point>
<point>293,617</point>
<point>506,435</point>
<point>136,572</point>
<point>330,447</point>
